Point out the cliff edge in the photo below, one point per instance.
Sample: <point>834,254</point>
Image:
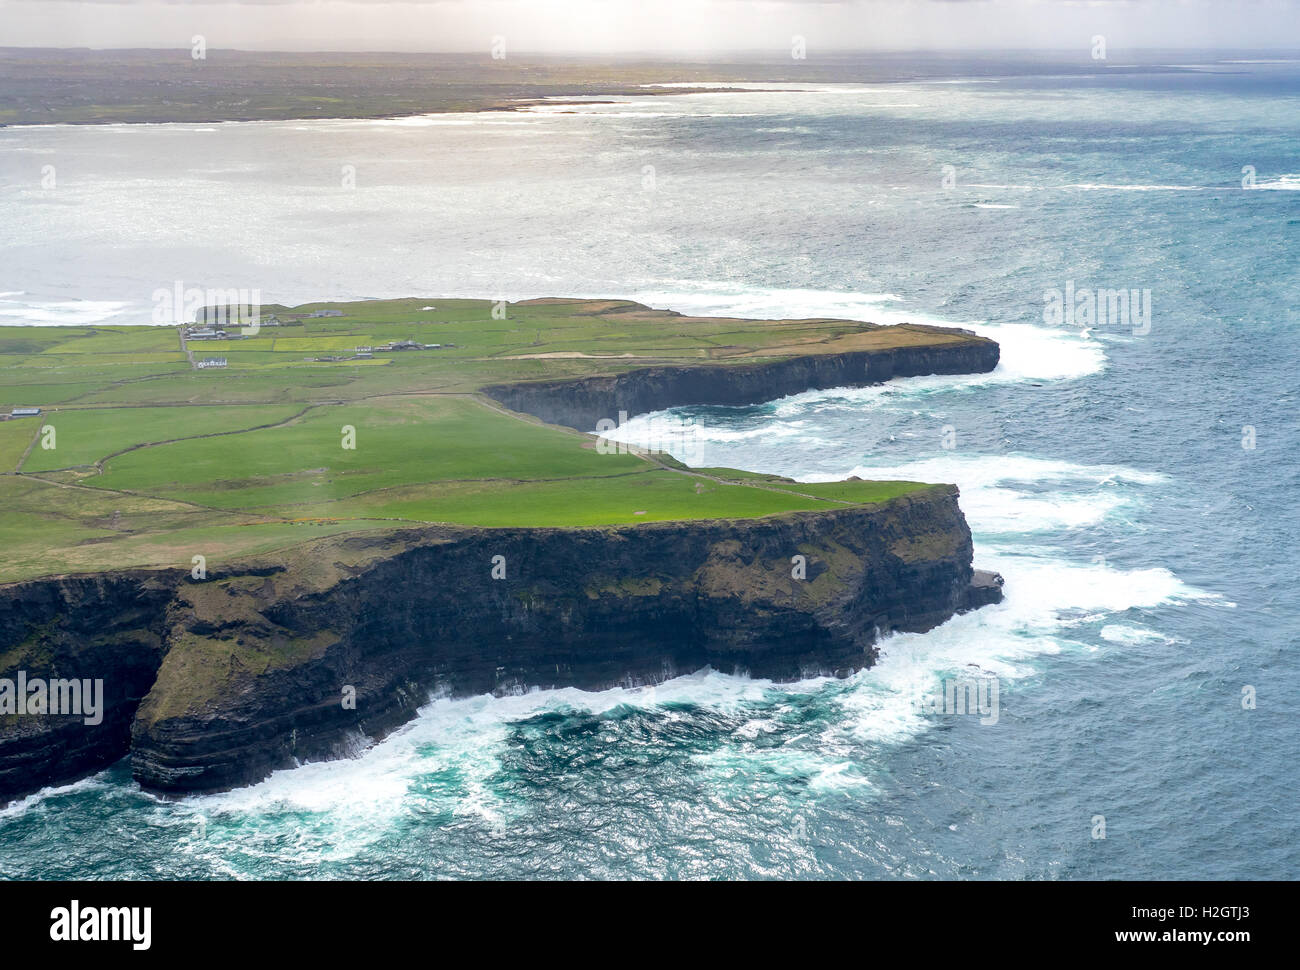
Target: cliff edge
<point>583,402</point>
<point>509,557</point>
<point>214,684</point>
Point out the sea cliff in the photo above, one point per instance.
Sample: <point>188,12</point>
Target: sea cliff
<point>310,650</point>
<point>582,403</point>
<point>213,684</point>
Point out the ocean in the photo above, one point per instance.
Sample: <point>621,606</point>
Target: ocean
<point>1134,478</point>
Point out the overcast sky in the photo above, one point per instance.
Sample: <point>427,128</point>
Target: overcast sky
<point>649,25</point>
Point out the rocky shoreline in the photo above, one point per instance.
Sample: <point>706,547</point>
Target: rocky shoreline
<point>310,654</point>
<point>582,403</point>
<point>211,685</point>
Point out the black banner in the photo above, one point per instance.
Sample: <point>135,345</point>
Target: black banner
<point>333,919</point>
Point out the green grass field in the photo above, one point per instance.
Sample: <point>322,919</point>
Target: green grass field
<point>153,461</point>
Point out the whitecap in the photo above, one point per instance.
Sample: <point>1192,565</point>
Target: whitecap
<point>1283,183</point>
<point>1004,494</point>
<point>1043,592</point>
<point>1028,351</point>
<point>37,800</point>
<point>1129,635</point>
<point>59,312</point>
<point>1110,187</point>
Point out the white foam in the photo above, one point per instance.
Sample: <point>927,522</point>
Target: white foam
<point>337,808</point>
<point>639,106</point>
<point>1283,183</point>
<point>355,800</point>
<point>1112,187</point>
<point>58,312</point>
<point>1090,187</point>
<point>36,800</point>
<point>745,85</point>
<point>994,505</point>
<point>1028,351</point>
<point>1129,635</point>
<point>1031,352</point>
<point>1044,596</point>
<point>660,427</point>
<point>465,120</point>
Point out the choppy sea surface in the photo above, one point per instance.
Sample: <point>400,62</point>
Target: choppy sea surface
<point>1150,555</point>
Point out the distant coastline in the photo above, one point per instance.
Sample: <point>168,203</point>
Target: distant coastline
<point>40,86</point>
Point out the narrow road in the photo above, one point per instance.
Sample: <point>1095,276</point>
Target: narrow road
<point>185,348</point>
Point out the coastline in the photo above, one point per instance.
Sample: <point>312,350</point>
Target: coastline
<point>307,651</point>
<point>278,661</point>
<point>44,86</point>
<point>581,403</point>
<point>484,107</point>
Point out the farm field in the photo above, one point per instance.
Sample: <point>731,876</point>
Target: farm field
<point>139,459</point>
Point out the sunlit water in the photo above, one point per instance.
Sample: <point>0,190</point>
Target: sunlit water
<point>1149,557</point>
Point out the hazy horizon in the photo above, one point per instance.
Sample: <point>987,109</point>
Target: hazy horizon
<point>736,54</point>
<point>675,27</point>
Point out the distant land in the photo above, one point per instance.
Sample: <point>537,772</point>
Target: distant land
<point>80,86</point>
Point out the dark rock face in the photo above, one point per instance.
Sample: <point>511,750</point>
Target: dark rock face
<point>108,627</point>
<point>250,671</point>
<point>985,589</point>
<point>582,403</point>
<point>590,608</point>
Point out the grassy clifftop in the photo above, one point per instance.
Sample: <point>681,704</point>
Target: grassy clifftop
<point>152,461</point>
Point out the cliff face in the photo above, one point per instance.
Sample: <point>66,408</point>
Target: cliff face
<point>274,664</point>
<point>582,403</point>
<point>213,684</point>
<point>108,627</point>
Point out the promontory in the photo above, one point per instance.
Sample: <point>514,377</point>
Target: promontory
<point>246,541</point>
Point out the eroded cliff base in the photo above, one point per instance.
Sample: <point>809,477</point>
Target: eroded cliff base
<point>214,684</point>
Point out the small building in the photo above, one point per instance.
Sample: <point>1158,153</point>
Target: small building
<point>364,356</point>
<point>326,313</point>
<point>209,362</point>
<point>206,334</point>
<point>405,345</point>
<point>24,412</point>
